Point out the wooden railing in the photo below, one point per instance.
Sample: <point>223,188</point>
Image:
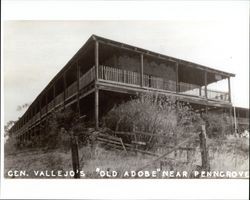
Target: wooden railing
<point>87,78</point>
<point>217,95</point>
<point>59,99</point>
<point>37,116</point>
<point>119,75</point>
<point>191,89</point>
<point>51,105</point>
<point>158,83</point>
<point>71,90</point>
<point>133,78</point>
<point>43,110</point>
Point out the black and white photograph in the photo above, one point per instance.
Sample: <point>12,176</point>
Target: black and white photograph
<point>146,99</point>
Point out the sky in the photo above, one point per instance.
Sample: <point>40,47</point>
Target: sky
<point>35,51</point>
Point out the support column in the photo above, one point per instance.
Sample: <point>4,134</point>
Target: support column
<point>46,101</point>
<point>177,77</point>
<point>205,81</point>
<point>231,117</point>
<point>64,90</point>
<point>141,70</point>
<point>235,120</point>
<point>96,59</point>
<point>96,81</point>
<point>96,108</point>
<point>40,110</point>
<point>229,90</point>
<point>54,96</point>
<point>78,87</point>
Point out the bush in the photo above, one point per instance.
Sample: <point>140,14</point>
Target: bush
<point>155,114</point>
<point>217,125</point>
<point>11,146</point>
<point>61,124</point>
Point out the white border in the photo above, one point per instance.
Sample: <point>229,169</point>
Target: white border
<point>119,189</point>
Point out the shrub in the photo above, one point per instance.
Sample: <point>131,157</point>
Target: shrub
<point>11,145</point>
<point>217,125</point>
<point>155,114</point>
<point>61,124</point>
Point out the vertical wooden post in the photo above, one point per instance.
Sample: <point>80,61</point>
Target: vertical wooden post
<point>205,82</point>
<point>78,87</point>
<point>54,95</point>
<point>177,77</point>
<point>96,59</point>
<point>40,109</point>
<point>231,118</point>
<point>235,121</point>
<point>46,101</point>
<point>75,155</point>
<point>175,144</point>
<point>64,89</point>
<point>204,150</point>
<point>142,70</point>
<point>96,81</point>
<point>229,90</point>
<point>96,108</point>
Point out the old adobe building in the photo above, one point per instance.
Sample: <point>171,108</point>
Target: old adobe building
<point>104,72</point>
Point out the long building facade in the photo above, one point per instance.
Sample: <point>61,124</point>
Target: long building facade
<point>104,72</point>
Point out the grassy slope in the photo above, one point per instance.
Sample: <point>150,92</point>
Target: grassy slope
<point>232,155</point>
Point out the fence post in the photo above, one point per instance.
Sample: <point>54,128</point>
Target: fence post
<point>204,150</point>
<point>75,155</point>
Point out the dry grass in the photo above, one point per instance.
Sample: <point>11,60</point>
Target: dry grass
<point>230,154</point>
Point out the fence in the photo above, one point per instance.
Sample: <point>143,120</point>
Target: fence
<point>116,142</point>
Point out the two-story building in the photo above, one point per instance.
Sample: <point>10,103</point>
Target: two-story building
<point>105,72</point>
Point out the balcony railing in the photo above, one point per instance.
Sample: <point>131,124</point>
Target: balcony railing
<point>217,95</point>
<point>119,75</point>
<point>50,105</point>
<point>43,110</point>
<point>71,90</point>
<point>191,89</point>
<point>87,78</point>
<point>158,83</point>
<point>59,99</point>
<point>133,78</point>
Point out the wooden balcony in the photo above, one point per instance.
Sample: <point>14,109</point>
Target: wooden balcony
<point>217,95</point>
<point>87,78</point>
<point>71,90</point>
<point>133,78</point>
<point>43,111</point>
<point>59,99</point>
<point>50,105</point>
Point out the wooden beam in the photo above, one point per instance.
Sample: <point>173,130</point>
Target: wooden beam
<point>142,70</point>
<point>229,89</point>
<point>96,108</point>
<point>78,86</point>
<point>54,95</point>
<point>46,101</point>
<point>235,120</point>
<point>64,89</point>
<point>205,82</point>
<point>96,59</point>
